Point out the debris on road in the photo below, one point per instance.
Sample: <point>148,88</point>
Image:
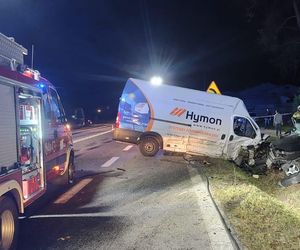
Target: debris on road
<point>121,169</point>
<point>64,238</point>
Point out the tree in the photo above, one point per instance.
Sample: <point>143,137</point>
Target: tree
<point>278,25</point>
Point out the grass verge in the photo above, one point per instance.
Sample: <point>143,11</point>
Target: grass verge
<point>264,215</point>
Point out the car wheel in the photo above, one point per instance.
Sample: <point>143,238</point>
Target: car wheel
<point>149,146</point>
<point>9,223</point>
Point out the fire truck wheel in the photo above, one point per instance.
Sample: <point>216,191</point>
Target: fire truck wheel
<point>9,223</point>
<point>71,171</point>
<point>149,146</point>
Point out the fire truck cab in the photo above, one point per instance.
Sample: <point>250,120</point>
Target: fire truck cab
<point>36,142</point>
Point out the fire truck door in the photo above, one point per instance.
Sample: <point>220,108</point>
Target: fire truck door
<point>57,141</point>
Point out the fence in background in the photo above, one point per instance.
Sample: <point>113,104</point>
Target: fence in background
<point>262,121</point>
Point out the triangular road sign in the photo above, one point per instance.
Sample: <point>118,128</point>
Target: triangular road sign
<point>213,88</point>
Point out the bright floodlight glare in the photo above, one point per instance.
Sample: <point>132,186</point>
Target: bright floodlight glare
<point>156,80</point>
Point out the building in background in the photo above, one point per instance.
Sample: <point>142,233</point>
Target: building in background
<point>268,96</point>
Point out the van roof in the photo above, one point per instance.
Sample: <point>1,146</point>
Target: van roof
<point>234,104</point>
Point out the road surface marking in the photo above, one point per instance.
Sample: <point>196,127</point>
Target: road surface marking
<point>83,215</point>
<point>110,162</point>
<point>91,136</point>
<point>121,142</point>
<point>73,191</point>
<point>128,147</point>
<point>78,131</point>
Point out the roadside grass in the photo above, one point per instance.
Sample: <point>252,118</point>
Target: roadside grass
<point>264,215</point>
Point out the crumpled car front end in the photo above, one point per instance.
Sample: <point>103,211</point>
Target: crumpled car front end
<point>285,155</point>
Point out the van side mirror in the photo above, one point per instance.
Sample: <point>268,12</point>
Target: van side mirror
<point>231,138</point>
<point>223,137</point>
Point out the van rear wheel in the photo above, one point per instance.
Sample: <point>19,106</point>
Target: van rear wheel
<point>9,223</point>
<point>149,146</point>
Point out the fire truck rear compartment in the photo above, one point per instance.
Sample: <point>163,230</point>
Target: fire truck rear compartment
<point>30,143</point>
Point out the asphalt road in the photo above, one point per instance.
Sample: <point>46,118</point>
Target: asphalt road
<point>121,200</point>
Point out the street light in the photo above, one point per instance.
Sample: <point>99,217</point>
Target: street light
<point>156,80</point>
<point>99,110</point>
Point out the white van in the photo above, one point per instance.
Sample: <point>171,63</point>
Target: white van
<point>184,120</point>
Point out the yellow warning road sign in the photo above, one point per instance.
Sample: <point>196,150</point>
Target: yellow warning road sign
<point>213,88</point>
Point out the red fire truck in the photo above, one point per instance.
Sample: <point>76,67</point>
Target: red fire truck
<point>35,139</point>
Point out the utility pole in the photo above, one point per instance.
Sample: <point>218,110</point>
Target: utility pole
<point>32,52</point>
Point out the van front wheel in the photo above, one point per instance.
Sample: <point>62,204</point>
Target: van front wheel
<point>149,146</point>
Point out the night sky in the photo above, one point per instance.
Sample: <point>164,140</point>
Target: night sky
<point>88,49</point>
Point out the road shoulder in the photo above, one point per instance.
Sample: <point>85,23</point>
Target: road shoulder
<point>217,233</point>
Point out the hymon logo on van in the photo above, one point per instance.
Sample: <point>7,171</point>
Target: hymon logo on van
<point>195,117</point>
<point>177,112</point>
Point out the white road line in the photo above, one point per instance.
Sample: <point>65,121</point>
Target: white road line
<point>110,162</point>
<point>91,136</point>
<point>128,148</point>
<point>91,128</point>
<point>83,215</point>
<point>73,191</point>
<point>122,142</point>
